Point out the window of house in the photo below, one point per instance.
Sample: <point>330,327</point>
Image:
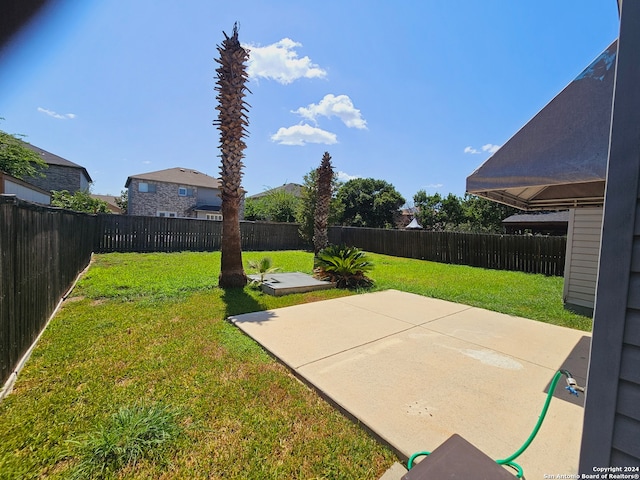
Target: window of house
<point>185,192</point>
<point>146,187</point>
<point>214,216</point>
<point>162,213</point>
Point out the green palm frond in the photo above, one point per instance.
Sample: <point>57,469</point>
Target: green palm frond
<point>344,265</point>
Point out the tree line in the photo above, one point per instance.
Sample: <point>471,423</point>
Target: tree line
<point>369,202</point>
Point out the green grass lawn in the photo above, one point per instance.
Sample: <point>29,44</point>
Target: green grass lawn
<point>149,329</point>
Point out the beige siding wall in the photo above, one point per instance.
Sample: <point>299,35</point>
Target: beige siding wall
<point>22,191</point>
<point>583,249</point>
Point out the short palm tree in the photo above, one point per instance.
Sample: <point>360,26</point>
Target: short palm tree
<point>232,122</point>
<point>346,266</point>
<point>264,267</point>
<point>321,215</point>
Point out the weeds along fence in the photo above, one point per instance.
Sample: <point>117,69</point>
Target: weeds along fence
<point>530,254</point>
<point>120,233</point>
<point>42,250</point>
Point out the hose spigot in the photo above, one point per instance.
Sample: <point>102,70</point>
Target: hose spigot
<point>572,386</point>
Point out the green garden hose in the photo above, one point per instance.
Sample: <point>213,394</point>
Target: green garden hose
<point>509,461</point>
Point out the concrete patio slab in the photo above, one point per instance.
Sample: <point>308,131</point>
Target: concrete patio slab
<point>537,342</point>
<point>415,379</point>
<point>413,309</point>
<point>324,331</point>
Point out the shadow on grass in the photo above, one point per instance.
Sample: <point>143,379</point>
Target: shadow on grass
<point>238,301</point>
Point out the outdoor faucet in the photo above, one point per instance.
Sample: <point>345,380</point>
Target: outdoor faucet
<point>572,385</point>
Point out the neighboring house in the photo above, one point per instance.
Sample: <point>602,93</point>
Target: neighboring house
<point>110,200</point>
<point>61,173</point>
<point>294,188</point>
<point>14,186</point>
<point>406,217</point>
<point>175,192</point>
<point>552,223</point>
<point>558,160</point>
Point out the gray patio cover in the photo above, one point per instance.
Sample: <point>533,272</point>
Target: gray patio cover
<point>558,159</point>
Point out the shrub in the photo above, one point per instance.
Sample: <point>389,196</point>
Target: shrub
<point>346,266</point>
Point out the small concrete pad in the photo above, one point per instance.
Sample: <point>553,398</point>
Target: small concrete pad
<point>278,284</point>
<point>416,370</point>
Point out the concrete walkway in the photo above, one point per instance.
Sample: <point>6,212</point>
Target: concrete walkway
<point>416,370</point>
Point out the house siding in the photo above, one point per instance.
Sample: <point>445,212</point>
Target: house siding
<point>209,196</point>
<point>58,177</point>
<point>611,430</point>
<point>581,264</point>
<point>23,191</point>
<point>165,198</point>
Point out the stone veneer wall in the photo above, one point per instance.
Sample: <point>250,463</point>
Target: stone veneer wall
<point>165,199</point>
<point>58,177</point>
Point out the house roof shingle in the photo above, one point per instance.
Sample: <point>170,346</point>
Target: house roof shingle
<point>110,200</point>
<point>52,159</point>
<point>182,176</point>
<point>293,188</point>
<point>551,217</point>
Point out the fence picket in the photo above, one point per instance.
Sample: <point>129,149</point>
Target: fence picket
<point>501,252</point>
<point>43,249</point>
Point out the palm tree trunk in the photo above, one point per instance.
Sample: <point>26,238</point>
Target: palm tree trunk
<point>232,121</point>
<point>321,215</point>
<point>231,269</point>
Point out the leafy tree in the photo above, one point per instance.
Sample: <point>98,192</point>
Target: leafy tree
<point>123,201</point>
<point>232,122</point>
<point>369,203</point>
<point>484,215</point>
<point>307,205</point>
<point>18,160</point>
<point>428,209</point>
<point>275,206</point>
<point>80,201</point>
<point>468,214</point>
<point>323,200</point>
<point>438,213</point>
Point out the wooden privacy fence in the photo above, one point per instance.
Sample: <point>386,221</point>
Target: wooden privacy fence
<point>42,250</point>
<point>531,254</point>
<point>121,233</point>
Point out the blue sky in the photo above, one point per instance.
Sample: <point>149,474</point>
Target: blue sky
<point>416,93</point>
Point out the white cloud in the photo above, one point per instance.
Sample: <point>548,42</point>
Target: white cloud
<point>280,62</point>
<point>345,177</point>
<point>59,116</point>
<point>303,134</point>
<point>339,106</point>
<point>434,186</point>
<point>488,148</point>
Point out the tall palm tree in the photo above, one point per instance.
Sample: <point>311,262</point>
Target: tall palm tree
<point>321,215</point>
<point>232,122</point>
